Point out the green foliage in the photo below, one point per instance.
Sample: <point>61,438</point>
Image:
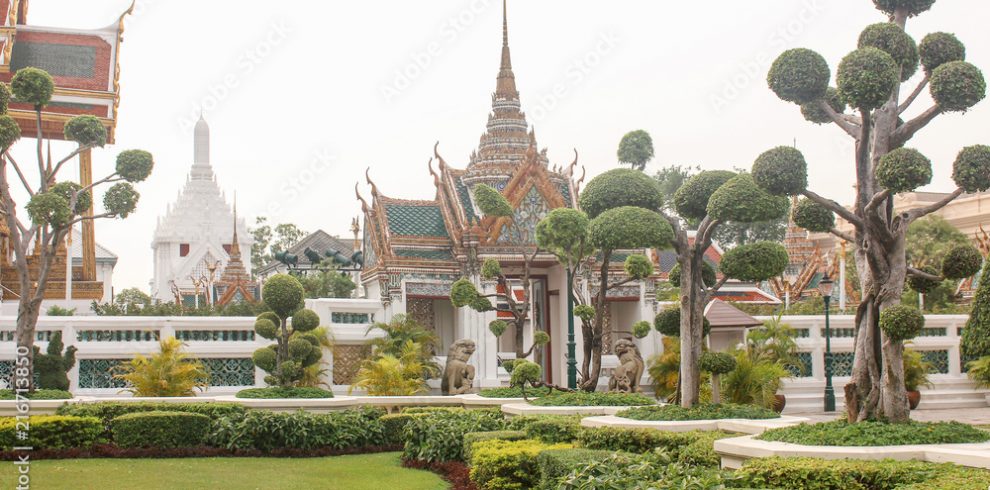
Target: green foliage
<point>471,438</point>
<point>273,431</point>
<point>617,188</point>
<point>646,471</point>
<point>305,320</point>
<point>541,338</point>
<point>755,261</point>
<point>10,131</point>
<point>160,429</point>
<point>781,171</point>
<point>553,429</point>
<point>866,78</point>
<point>913,7</point>
<point>585,312</point>
<point>799,75</point>
<point>269,240</point>
<point>638,266</point>
<point>463,293</point>
<point>939,48</point>
<point>394,426</point>
<point>693,447</point>
<point>636,149</point>
<point>555,464</point>
<point>52,366</point>
<point>287,361</point>
<point>38,394</point>
<point>957,86</point>
<point>327,283</point>
<point>975,340</point>
<point>774,342</point>
<point>86,130</point>
<point>497,327</point>
<point>971,170</point>
<point>491,269</point>
<point>498,464</point>
<point>513,392</point>
<point>121,199</point>
<point>924,285</point>
<point>691,199</point>
<point>668,323</point>
<point>812,216</point>
<point>704,411</point>
<point>961,261</point>
<point>525,373</point>
<point>439,435</point>
<point>641,329</point>
<point>56,310</point>
<point>979,371</point>
<point>671,178</point>
<point>717,363</point>
<point>891,39</point>
<point>170,372</point>
<point>929,239</point>
<point>813,112</point>
<point>49,208</point>
<point>872,433</point>
<point>68,190</point>
<point>134,165</point>
<point>665,368</point>
<point>4,98</point>
<point>754,381</point>
<point>630,227</point>
<point>904,170</point>
<point>592,399</point>
<point>491,202</point>
<point>708,275</point>
<point>33,86</point>
<point>564,233</point>
<point>916,370</point>
<point>389,375</point>
<point>281,392</point>
<point>851,474</point>
<point>107,411</point>
<point>51,432</point>
<point>740,199</point>
<point>283,294</point>
<point>265,329</point>
<point>901,322</point>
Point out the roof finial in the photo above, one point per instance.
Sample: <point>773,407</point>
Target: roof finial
<point>505,23</point>
<point>235,246</point>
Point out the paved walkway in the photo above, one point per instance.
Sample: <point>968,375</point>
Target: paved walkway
<point>975,416</point>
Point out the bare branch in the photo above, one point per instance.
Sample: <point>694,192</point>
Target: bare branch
<point>718,285</point>
<point>907,130</point>
<point>914,95</point>
<point>20,174</point>
<point>110,178</point>
<point>705,232</point>
<point>835,208</point>
<point>72,155</point>
<point>849,127</point>
<point>878,199</point>
<point>916,213</point>
<point>924,275</point>
<point>843,235</point>
<point>92,218</point>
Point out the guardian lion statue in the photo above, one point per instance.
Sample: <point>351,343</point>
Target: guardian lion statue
<point>458,375</point>
<point>630,370</point>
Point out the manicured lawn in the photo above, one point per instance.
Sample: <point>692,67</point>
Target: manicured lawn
<point>368,471</point>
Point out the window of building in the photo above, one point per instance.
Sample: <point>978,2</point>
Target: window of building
<point>183,249</point>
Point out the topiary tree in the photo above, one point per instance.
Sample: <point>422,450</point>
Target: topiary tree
<point>869,81</point>
<point>53,366</point>
<point>39,229</point>
<point>717,364</point>
<point>295,347</point>
<point>975,341</point>
<point>636,149</point>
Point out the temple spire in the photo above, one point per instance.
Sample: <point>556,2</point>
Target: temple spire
<point>506,88</point>
<point>235,246</point>
<point>201,169</point>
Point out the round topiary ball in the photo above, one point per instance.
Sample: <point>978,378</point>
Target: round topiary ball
<point>618,188</point>
<point>904,170</point>
<point>961,261</point>
<point>956,86</point>
<point>971,170</point>
<point>585,312</point>
<point>134,165</point>
<point>283,294</point>
<point>49,208</point>
<point>799,75</point>
<point>491,269</point>
<point>717,363</point>
<point>4,98</point>
<point>866,78</point>
<point>630,227</point>
<point>525,372</point>
<point>497,327</point>
<point>638,266</point>
<point>121,199</point>
<point>668,322</point>
<point>901,322</point>
<point>812,111</point>
<point>891,39</point>
<point>305,320</point>
<point>939,48</point>
<point>708,275</point>
<point>462,292</point>
<point>781,171</point>
<point>67,189</point>
<point>86,131</point>
<point>742,201</point>
<point>299,348</point>
<point>541,338</point>
<point>33,86</point>
<point>265,359</point>
<point>755,262</point>
<point>913,7</point>
<point>265,328</point>
<point>10,132</point>
<point>641,329</point>
<point>271,316</point>
<point>812,216</point>
<point>491,202</point>
<point>924,285</point>
<point>691,199</point>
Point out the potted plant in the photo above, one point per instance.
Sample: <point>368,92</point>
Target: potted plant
<point>755,381</point>
<point>774,343</point>
<point>916,370</point>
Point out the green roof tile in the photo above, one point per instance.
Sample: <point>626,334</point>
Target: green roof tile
<point>419,253</point>
<point>57,59</point>
<point>465,195</point>
<point>410,220</point>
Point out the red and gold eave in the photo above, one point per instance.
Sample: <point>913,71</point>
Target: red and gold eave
<point>84,64</point>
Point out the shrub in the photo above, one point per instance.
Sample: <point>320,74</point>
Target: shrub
<point>620,187</point>
<point>756,261</point>
<point>957,86</point>
<point>870,433</point>
<point>170,372</point>
<point>866,78</point>
<point>285,392</point>
<point>593,399</point>
<point>904,170</point>
<point>267,431</point>
<point>52,366</point>
<point>388,375</point>
<point>651,470</point>
<point>39,394</point>
<point>971,168</point>
<point>52,432</point>
<point>781,171</point>
<point>961,261</point>
<point>741,200</point>
<point>554,429</point>
<point>630,227</point>
<point>704,411</point>
<point>555,464</point>
<point>160,429</point>
<point>394,426</point>
<point>507,465</point>
<point>901,322</point>
<point>471,438</point>
<point>939,48</point>
<point>438,435</point>
<point>891,39</point>
<point>513,392</point>
<point>491,202</point>
<point>799,75</point>
<point>107,411</point>
<point>819,474</point>
<point>695,447</point>
<point>814,112</point>
<point>691,199</point>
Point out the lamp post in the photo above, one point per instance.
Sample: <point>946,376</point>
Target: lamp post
<point>825,288</point>
<point>571,354</point>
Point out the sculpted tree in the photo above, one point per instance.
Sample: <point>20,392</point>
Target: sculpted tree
<point>636,149</point>
<point>53,207</point>
<point>295,347</point>
<point>869,82</point>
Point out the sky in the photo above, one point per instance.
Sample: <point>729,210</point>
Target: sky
<point>303,95</point>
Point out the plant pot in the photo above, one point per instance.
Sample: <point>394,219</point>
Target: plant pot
<point>780,401</point>
<point>914,398</point>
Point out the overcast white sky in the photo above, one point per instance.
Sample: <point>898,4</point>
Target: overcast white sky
<point>302,96</point>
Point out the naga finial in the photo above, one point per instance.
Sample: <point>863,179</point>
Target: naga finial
<point>364,204</point>
<point>367,176</point>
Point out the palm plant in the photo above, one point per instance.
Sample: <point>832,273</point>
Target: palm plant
<point>400,331</point>
<point>170,372</point>
<point>979,371</point>
<point>774,342</point>
<point>665,368</point>
<point>754,381</point>
<point>388,375</point>
<point>916,370</point>
<point>314,375</point>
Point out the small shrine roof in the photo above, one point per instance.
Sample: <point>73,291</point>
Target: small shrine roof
<point>415,218</point>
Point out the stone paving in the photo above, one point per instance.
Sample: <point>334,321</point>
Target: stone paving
<point>975,416</point>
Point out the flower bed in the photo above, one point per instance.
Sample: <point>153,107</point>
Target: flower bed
<point>278,392</point>
<point>593,399</point>
<point>842,433</point>
<point>699,412</point>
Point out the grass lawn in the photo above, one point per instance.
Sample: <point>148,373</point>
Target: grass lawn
<point>366,471</point>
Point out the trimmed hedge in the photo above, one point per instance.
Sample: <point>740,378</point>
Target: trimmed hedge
<point>842,433</point>
<point>270,431</point>
<point>107,411</point>
<point>39,394</point>
<point>284,392</point>
<point>593,399</point>
<point>507,465</point>
<point>438,434</point>
<point>704,411</point>
<point>555,464</point>
<point>554,429</point>
<point>52,432</point>
<point>819,474</point>
<point>695,447</point>
<point>394,425</point>
<point>514,392</point>
<point>471,438</point>
<point>160,429</point>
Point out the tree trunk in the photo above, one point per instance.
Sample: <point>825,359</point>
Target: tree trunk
<point>28,311</point>
<point>597,329</point>
<point>692,326</point>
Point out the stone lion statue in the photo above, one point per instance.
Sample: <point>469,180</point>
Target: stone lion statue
<point>626,376</point>
<point>458,375</point>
